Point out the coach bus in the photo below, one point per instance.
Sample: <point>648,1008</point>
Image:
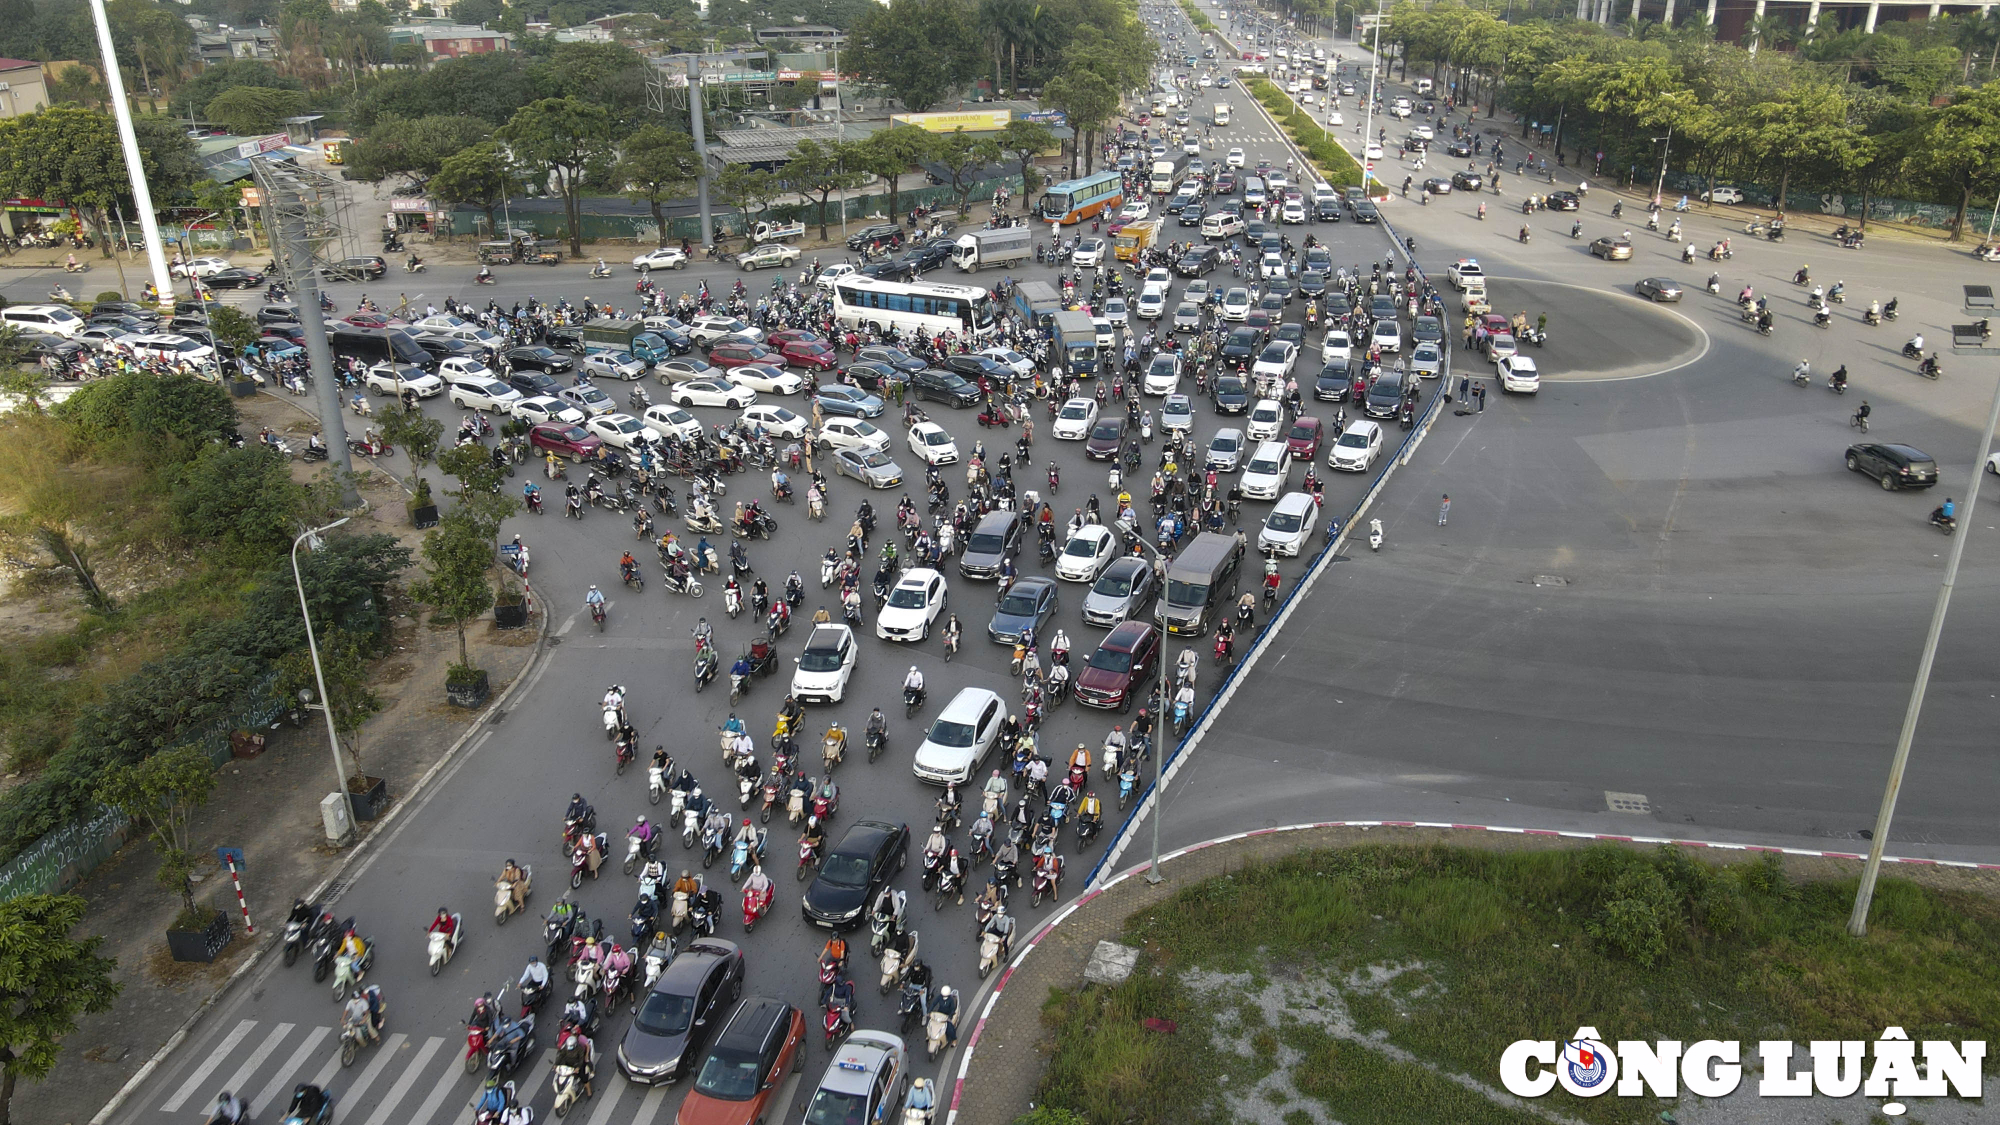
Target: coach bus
<point>1073,201</point>
<point>916,306</point>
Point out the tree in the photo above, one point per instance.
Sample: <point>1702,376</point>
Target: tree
<point>479,480</point>
<point>47,980</point>
<point>1024,140</point>
<point>73,154</point>
<point>568,139</point>
<point>151,36</point>
<point>250,110</point>
<point>343,664</point>
<point>1963,146</point>
<point>924,51</point>
<point>161,794</point>
<point>417,434</point>
<point>482,176</point>
<point>963,156</point>
<point>745,190</point>
<point>893,151</point>
<point>658,164</point>
<point>78,85</point>
<point>192,98</point>
<point>242,500</point>
<point>818,170</point>
<point>1088,101</point>
<point>232,326</point>
<point>456,555</point>
<point>413,146</point>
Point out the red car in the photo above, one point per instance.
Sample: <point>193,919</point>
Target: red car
<point>1120,668</point>
<point>786,335</point>
<point>1303,441</point>
<point>809,353</point>
<point>563,438</point>
<point>372,320</point>
<point>743,354</point>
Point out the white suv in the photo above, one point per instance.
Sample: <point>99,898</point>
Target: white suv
<point>960,737</point>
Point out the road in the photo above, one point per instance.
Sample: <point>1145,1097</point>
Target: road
<point>504,797</point>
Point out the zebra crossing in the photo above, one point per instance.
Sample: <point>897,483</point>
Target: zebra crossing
<point>405,1070</point>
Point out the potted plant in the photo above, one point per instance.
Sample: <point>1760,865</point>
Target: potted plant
<point>510,607</point>
<point>160,794</point>
<point>466,686</point>
<point>343,667</point>
<point>456,556</point>
<point>423,509</point>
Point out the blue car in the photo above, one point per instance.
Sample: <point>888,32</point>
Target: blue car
<point>1029,601</point>
<point>849,401</point>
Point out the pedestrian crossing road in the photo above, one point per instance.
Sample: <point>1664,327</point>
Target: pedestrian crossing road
<point>407,1079</point>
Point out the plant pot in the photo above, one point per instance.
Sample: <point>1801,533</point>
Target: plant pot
<point>242,388</point>
<point>368,796</point>
<point>511,616</point>
<point>244,744</point>
<point>424,516</point>
<point>202,944</point>
<point>469,692</point>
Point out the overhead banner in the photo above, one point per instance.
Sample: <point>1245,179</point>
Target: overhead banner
<point>972,121</point>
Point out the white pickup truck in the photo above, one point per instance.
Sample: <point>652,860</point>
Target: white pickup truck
<point>777,232</point>
<point>1465,272</point>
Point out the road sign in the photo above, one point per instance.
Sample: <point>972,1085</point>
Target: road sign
<point>230,857</point>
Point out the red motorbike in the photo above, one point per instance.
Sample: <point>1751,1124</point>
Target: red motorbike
<point>771,789</point>
<point>824,806</point>
<point>624,749</point>
<point>1224,652</point>
<point>808,857</point>
<point>755,906</point>
<point>836,1023</point>
<point>475,1048</point>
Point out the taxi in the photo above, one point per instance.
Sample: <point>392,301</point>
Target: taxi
<point>863,1084</point>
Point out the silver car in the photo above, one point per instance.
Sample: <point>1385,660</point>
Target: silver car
<point>871,467</point>
<point>1427,361</point>
<point>613,365</point>
<point>1187,318</point>
<point>1225,450</point>
<point>1120,592</point>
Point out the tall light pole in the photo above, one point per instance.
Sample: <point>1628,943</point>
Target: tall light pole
<point>128,144</point>
<point>312,646</point>
<point>1130,527</point>
<point>1857,922</point>
<point>1660,185</point>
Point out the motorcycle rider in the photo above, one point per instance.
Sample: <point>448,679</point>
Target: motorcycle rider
<point>879,726</point>
<point>229,1110</point>
<point>1001,926</point>
<point>444,924</point>
<point>686,885</point>
<point>594,600</point>
<point>361,1011</point>
<point>1091,811</point>
<point>757,885</point>
<point>814,836</point>
<point>888,910</point>
<point>914,682</point>
<point>645,831</point>
<point>747,835</point>
<point>1944,511</point>
<point>947,1002</point>
<point>576,1050</point>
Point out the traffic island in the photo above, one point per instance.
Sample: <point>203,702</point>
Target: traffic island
<point>1348,974</point>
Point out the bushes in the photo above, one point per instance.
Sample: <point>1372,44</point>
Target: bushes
<point>242,499</point>
<point>1332,163</point>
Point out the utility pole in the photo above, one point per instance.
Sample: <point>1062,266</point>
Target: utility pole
<point>128,144</point>
<point>699,128</point>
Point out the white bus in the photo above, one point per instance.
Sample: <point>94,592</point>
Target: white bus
<point>918,306</point>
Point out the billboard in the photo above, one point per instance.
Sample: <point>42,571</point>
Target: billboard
<point>972,121</point>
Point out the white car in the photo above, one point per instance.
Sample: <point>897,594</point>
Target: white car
<point>1236,304</point>
<point>1087,553</point>
<point>1134,211</point>
<point>613,365</point>
<point>1264,474</point>
<point>665,258</point>
<point>765,379</point>
<point>853,433</point>
<point>199,267</point>
<point>1089,252</point>
<point>671,421</point>
<point>588,399</point>
<point>1206,81</point>
<point>1152,304</point>
<point>929,441</point>
<point>1518,375</point>
<point>1266,416</point>
<point>706,330</point>
<point>1463,271</point>
<point>1271,267</point>
<point>1177,414</point>
<point>1290,524</point>
<point>1424,132</point>
<point>776,420</point>
<point>1192,145</point>
<point>1159,277</point>
<point>1372,152</point>
<point>1335,118</point>
<point>1020,364</point>
<point>712,392</point>
<point>913,606</point>
<point>1357,448</point>
<point>1074,420</point>
<point>1336,345</point>
<point>1163,375</point>
<point>464,367</point>
<point>1276,360</point>
<point>1387,336</point>
<point>548,408</point>
<point>1221,224</point>
<point>621,431</point>
<point>834,273</point>
<point>470,392</point>
<point>825,665</point>
<point>1116,313</point>
<point>1294,211</point>
<point>1234,159</point>
<point>384,379</point>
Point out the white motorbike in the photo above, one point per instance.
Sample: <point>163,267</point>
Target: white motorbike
<point>443,947</point>
<point>892,965</point>
<point>934,1033</point>
<point>656,784</point>
<point>569,1089</point>
<point>989,954</point>
<point>503,896</point>
<point>826,571</point>
<point>690,827</point>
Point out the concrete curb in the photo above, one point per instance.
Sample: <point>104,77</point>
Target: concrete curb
<point>362,852</point>
<point>999,983</point>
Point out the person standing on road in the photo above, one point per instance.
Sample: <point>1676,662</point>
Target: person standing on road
<point>1479,397</point>
<point>1444,509</point>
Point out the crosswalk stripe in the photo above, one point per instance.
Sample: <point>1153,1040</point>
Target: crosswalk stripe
<point>650,1108</point>
<point>524,1089</point>
<point>444,1087</point>
<point>327,1072</point>
<point>385,1053</point>
<point>270,1094</point>
<point>610,1087</point>
<point>258,1056</point>
<point>402,1087</point>
<point>196,1080</point>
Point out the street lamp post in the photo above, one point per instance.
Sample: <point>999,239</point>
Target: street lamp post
<point>1660,185</point>
<point>312,646</point>
<point>1130,527</point>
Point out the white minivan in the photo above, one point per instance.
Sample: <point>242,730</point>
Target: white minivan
<point>52,319</point>
<point>1264,475</point>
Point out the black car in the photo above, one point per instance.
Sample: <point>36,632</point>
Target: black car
<point>1893,466</point>
<point>567,337</point>
<point>1240,347</point>
<point>532,384</point>
<point>363,268</point>
<point>1230,395</point>
<point>1312,283</point>
<point>1280,288</point>
<point>867,374</point>
<point>896,358</point>
<point>973,367</point>
<point>125,308</point>
<point>1366,213</point>
<point>41,345</point>
<point>1458,148</point>
<point>1256,231</point>
<point>1564,201</point>
<point>1337,305</point>
<point>1385,395</point>
<point>1198,261</point>
<point>1436,185</point>
<point>1334,382</point>
<point>895,269</point>
<point>445,347</point>
<point>688,1000</point>
<point>1106,437</point>
<point>947,387</point>
<point>931,254</point>
<point>1327,209</point>
<point>539,358</point>
<point>1467,181</point>
<point>853,871</point>
<point>1293,333</point>
<point>121,321</point>
<point>886,232</point>
<point>1190,215</point>
<point>235,277</point>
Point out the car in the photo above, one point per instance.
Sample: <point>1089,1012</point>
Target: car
<point>613,365</point>
<point>1115,312</point>
<point>198,267</point>
<point>1088,253</point>
<point>1294,211</point>
<point>864,1084</point>
<point>852,434</point>
<point>235,277</point>
<point>1464,271</point>
<point>871,467</point>
<point>769,254</point>
<point>851,874</point>
<point>1236,304</point>
<point>1229,394</point>
<point>1303,439</point>
<point>1499,346</point>
<point>852,402</point>
<point>1163,374</point>
<point>366,267</point>
<point>1134,211</point>
<point>1086,554</point>
<point>739,1079</point>
<point>1722,193</point>
<point>472,392</point>
<point>1518,375</point>
<point>888,233</point>
<point>1467,181</point>
<point>664,258</point>
<point>537,358</point>
<point>620,431</point>
<point>1427,360</point>
<point>1893,465</point>
<point>929,441</point>
<point>1225,183</point>
<point>1177,414</point>
<point>1289,525</point>
<point>1019,364</point>
<point>1367,213</point>
<point>939,385</point>
<point>1359,445</point>
<point>1120,592</point>
<point>1151,305</point>
<point>741,353</point>
<point>1372,152</point>
<point>765,379</point>
<point>573,442</point>
<point>104,338</point>
<point>895,358</point>
<point>1187,317</point>
<point>825,665</point>
<point>1271,266</point>
<point>963,733</point>
<point>1221,224</point>
<point>1386,336</point>
<point>1122,667</point>
<point>833,273</point>
<point>930,255</point>
<point>712,392</point>
<point>1664,289</point>
<point>1235,158</point>
<point>707,330</point>
<point>1427,329</point>
<point>1383,397</point>
<point>1225,450</point>
<point>976,367</point>
<point>1029,603</point>
<point>1564,201</point>
<point>1107,436</point>
<point>913,606</point>
<point>1612,248</point>
<point>1336,345</point>
<point>776,421</point>
<point>383,379</point>
<point>868,375</point>
<point>1266,470</point>
<point>1198,292</point>
<point>1074,421</point>
<point>588,399</point>
<point>1276,360</point>
<point>672,1024</point>
<point>1266,417</point>
<point>1423,132</point>
<point>671,421</point>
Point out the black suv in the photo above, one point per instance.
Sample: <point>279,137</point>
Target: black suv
<point>853,871</point>
<point>532,384</point>
<point>974,366</point>
<point>1199,260</point>
<point>947,387</point>
<point>887,232</point>
<point>540,359</point>
<point>365,268</point>
<point>1230,395</point>
<point>1467,181</point>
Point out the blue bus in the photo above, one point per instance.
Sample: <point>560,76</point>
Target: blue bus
<point>1073,201</point>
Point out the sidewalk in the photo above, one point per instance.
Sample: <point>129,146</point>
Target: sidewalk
<point>269,807</point>
<point>1000,1070</point>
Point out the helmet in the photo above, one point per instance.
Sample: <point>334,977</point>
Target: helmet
<point>944,990</point>
<point>593,585</point>
<point>812,821</point>
<point>534,960</point>
<point>642,819</point>
<point>684,873</point>
<point>1000,909</point>
<point>746,821</point>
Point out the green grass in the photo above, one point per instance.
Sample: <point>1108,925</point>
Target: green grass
<point>1334,163</point>
<point>1482,948</point>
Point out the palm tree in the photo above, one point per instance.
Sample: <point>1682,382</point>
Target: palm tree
<point>1771,28</point>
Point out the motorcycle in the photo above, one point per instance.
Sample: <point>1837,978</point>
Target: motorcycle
<point>742,858</point>
<point>691,586</point>
<point>656,784</point>
<point>512,1042</point>
<point>755,906</point>
<point>349,971</point>
<point>989,953</point>
<point>352,1039</point>
<point>912,1005</point>
<point>569,1088</point>
<point>937,1029</point>
<point>808,857</point>
<point>297,932</point>
<point>1944,523</point>
<point>442,947</point>
<point>836,1023</point>
<point>636,849</point>
<point>711,847</point>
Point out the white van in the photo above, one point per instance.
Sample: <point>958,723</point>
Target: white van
<point>52,319</point>
<point>1253,191</point>
<point>1222,113</point>
<point>1425,86</point>
<point>1264,474</point>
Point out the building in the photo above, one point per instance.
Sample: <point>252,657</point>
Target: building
<point>23,89</point>
<point>808,36</point>
<point>1732,18</point>
<point>451,40</point>
<point>225,44</point>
